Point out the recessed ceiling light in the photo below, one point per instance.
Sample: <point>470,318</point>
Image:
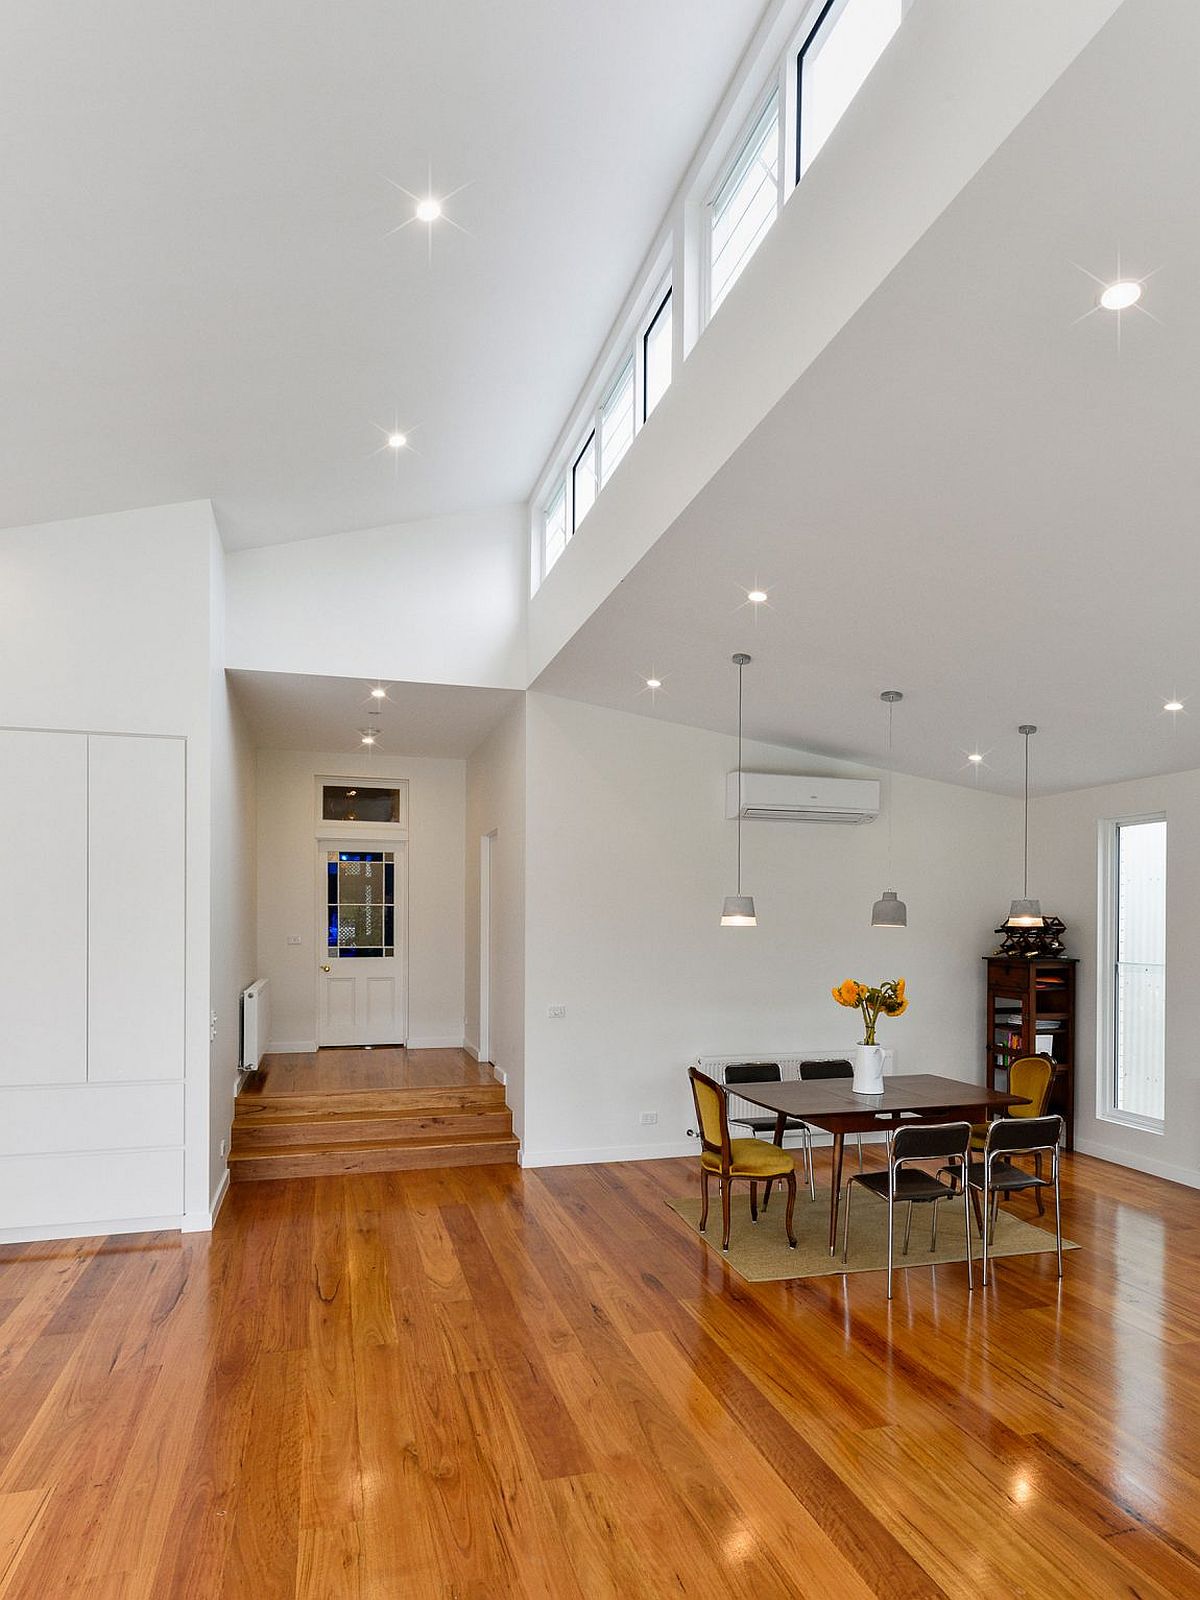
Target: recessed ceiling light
<point>757,597</point>
<point>397,440</point>
<point>654,683</point>
<point>1120,296</point>
<point>368,738</point>
<point>429,209</point>
<point>378,694</point>
<point>1173,705</point>
<point>975,756</point>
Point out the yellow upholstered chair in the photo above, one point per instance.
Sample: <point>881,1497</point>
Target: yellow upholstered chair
<point>727,1159</point>
<point>1032,1077</point>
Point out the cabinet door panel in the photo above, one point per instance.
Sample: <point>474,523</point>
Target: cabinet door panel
<point>43,907</point>
<point>136,909</point>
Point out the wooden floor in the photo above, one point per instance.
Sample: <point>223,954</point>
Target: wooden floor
<point>496,1383</point>
<point>384,1067</point>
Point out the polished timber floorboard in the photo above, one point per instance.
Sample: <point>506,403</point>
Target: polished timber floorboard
<point>490,1383</point>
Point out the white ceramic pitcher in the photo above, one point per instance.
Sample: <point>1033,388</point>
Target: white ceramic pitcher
<point>868,1069</point>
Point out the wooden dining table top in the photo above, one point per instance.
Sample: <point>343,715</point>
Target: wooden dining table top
<point>831,1103</point>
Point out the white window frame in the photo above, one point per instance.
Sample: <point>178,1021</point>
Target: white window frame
<point>774,89</point>
<point>631,348</point>
<point>680,255</point>
<point>630,366</point>
<point>1106,962</point>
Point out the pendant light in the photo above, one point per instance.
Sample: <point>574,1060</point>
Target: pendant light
<point>889,911</point>
<point>738,910</point>
<point>1026,913</point>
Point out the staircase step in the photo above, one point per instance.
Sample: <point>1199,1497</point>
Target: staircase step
<point>331,1160</point>
<point>262,1106</point>
<point>346,1127</point>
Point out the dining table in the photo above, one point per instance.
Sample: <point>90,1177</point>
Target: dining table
<point>831,1105</point>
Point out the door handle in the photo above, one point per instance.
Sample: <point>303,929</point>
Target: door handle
<point>324,969</point>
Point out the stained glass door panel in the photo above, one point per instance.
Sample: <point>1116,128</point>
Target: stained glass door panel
<point>361,998</point>
<point>361,903</point>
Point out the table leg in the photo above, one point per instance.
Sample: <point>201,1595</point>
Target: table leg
<point>780,1127</point>
<point>839,1143</point>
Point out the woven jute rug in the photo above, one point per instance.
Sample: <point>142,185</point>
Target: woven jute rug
<point>760,1252</point>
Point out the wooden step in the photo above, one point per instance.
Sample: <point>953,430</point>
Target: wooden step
<point>331,1160</point>
<point>347,1127</point>
<point>252,1106</point>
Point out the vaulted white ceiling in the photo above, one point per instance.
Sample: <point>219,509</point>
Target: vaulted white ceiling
<point>203,293</point>
<point>985,492</point>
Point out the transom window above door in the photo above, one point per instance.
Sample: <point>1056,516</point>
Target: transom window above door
<point>354,802</point>
<point>361,903</point>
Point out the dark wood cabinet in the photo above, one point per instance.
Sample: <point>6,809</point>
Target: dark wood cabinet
<point>1031,1012</point>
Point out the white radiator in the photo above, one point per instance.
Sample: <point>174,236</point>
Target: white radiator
<point>789,1070</point>
<point>256,1024</point>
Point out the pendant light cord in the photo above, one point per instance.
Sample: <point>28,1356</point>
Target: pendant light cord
<point>1025,890</point>
<point>890,787</point>
<point>739,813</point>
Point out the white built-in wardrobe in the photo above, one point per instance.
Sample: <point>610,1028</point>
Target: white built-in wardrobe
<point>92,990</point>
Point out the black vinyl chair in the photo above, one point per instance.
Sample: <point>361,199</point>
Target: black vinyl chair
<point>998,1174</point>
<point>815,1071</point>
<point>948,1141</point>
<point>768,1072</point>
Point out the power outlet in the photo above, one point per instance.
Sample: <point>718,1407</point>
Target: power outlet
<point>556,1011</point>
<point>212,1026</point>
<point>649,1118</point>
<point>224,1148</point>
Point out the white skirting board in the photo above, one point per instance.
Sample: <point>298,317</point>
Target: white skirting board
<point>1136,1163</point>
<point>91,1230</point>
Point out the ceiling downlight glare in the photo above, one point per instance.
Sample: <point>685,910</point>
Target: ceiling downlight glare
<point>429,209</point>
<point>1120,296</point>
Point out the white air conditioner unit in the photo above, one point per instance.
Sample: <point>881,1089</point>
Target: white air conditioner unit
<point>785,797</point>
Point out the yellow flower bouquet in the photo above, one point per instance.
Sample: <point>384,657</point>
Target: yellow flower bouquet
<point>887,999</point>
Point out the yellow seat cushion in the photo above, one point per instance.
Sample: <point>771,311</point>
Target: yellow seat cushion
<point>753,1158</point>
<point>978,1135</point>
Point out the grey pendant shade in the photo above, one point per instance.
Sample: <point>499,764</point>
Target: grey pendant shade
<point>889,911</point>
<point>1026,913</point>
<point>738,909</point>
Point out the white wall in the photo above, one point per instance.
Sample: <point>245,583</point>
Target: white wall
<point>1064,865</point>
<point>440,601</point>
<point>287,835</point>
<point>233,950</point>
<point>496,805</point>
<point>629,858</point>
<point>106,630</point>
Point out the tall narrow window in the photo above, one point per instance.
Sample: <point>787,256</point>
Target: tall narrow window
<point>616,423</point>
<point>656,357</point>
<point>745,206</point>
<point>1139,944</point>
<point>583,481</point>
<point>554,529</point>
<point>848,40</point>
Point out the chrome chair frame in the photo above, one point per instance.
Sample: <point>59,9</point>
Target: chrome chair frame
<point>1009,1136</point>
<point>921,1144</point>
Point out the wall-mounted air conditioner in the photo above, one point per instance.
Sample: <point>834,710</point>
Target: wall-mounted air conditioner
<point>785,797</point>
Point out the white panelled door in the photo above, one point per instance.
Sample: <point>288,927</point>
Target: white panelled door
<point>362,959</point>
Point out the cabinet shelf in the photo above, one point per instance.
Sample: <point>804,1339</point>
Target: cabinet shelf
<point>1031,1003</point>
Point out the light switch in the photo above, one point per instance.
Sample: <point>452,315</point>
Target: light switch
<point>294,938</point>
